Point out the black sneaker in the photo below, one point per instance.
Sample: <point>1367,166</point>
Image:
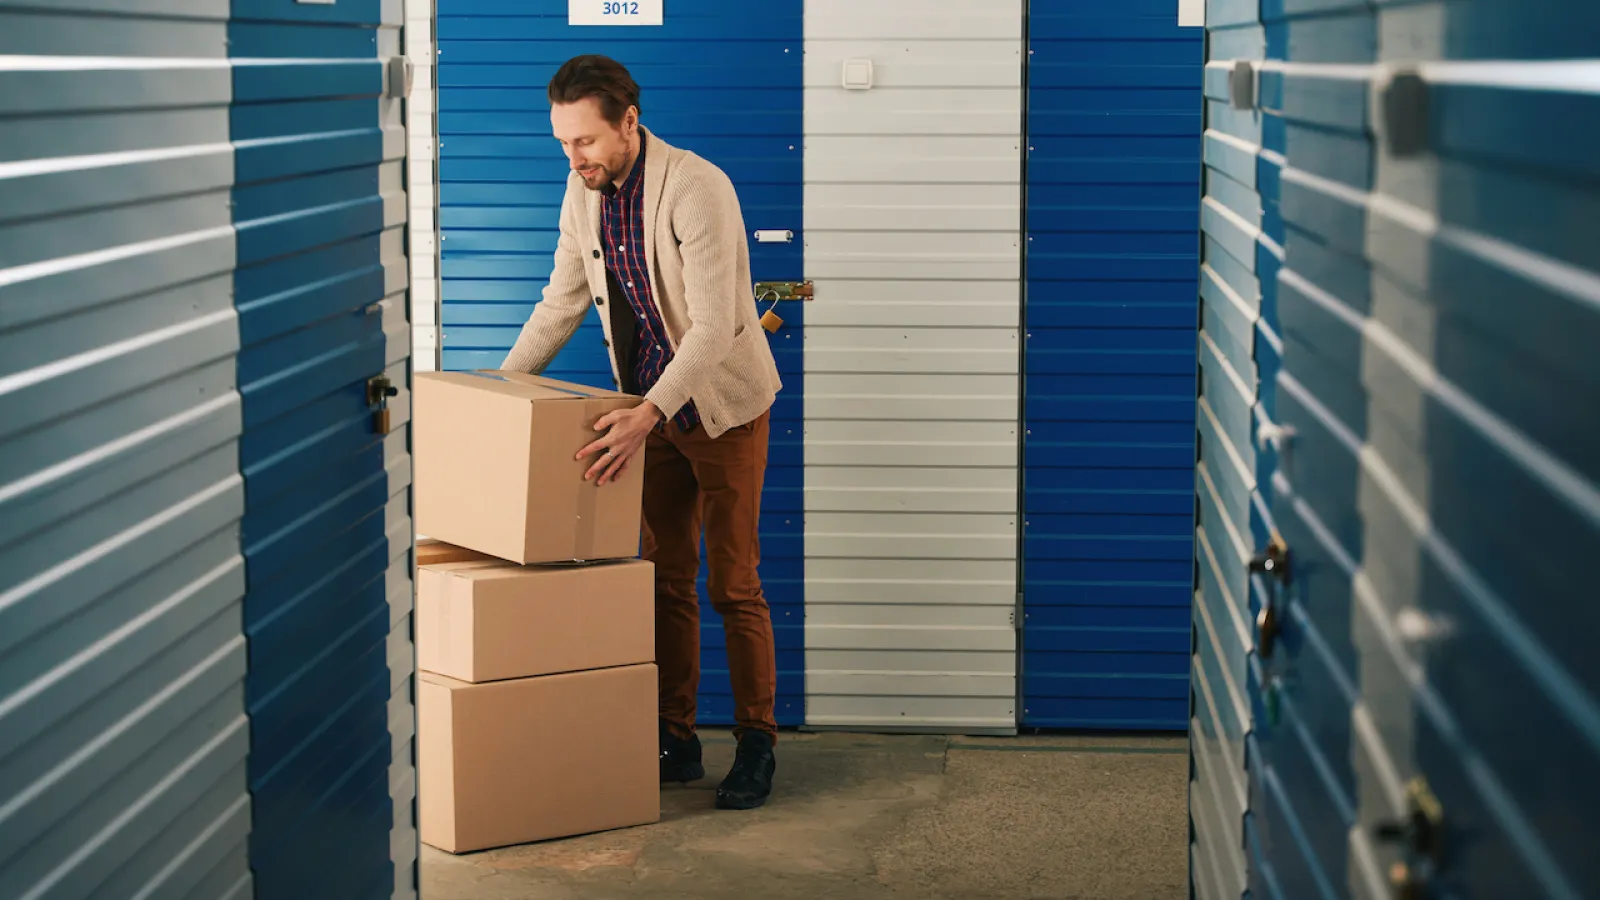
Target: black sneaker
<point>680,758</point>
<point>749,782</point>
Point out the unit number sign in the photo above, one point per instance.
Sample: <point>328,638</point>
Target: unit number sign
<point>614,12</point>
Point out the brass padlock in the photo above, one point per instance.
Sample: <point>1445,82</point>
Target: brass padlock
<point>1267,629</point>
<point>379,390</point>
<point>771,321</point>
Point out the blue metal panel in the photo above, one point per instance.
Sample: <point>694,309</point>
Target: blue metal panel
<point>320,290</point>
<point>1114,162</point>
<point>1435,479</point>
<point>123,734</point>
<point>501,181</point>
<point>1233,216</point>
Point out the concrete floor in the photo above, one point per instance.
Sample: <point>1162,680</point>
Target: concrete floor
<point>859,817</point>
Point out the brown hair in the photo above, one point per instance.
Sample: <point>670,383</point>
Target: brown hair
<point>596,76</point>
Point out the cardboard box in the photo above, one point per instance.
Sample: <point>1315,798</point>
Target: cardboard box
<point>487,621</point>
<point>531,759</point>
<point>495,469</point>
<point>432,552</point>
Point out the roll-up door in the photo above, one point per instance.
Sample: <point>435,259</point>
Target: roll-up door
<point>204,558</point>
<point>720,78</point>
<point>1113,190</point>
<point>1236,268</point>
<point>319,205</point>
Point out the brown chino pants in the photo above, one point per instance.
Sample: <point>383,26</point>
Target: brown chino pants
<point>689,480</point>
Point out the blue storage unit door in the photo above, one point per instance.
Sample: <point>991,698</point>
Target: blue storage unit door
<point>1425,449</point>
<point>123,735</point>
<point>319,207</point>
<point>1237,262</point>
<point>1112,206</point>
<point>720,78</point>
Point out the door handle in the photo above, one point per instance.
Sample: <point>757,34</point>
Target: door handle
<point>1272,563</point>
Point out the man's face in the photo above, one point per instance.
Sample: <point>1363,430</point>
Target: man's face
<point>597,149</point>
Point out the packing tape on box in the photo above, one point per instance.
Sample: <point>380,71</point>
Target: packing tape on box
<point>497,377</point>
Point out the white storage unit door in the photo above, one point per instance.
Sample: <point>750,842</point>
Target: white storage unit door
<point>912,205</point>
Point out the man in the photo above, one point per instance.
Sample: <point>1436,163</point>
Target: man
<point>654,237</point>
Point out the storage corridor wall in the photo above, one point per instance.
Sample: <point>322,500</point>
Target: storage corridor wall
<point>912,205</point>
<point>204,550</point>
<point>717,78</point>
<point>123,734</point>
<point>1237,266</point>
<point>1423,447</point>
<point>1113,121</point>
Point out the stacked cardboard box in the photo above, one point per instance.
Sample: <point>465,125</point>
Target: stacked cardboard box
<point>535,622</point>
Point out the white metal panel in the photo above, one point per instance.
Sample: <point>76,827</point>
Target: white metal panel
<point>913,196</point>
<point>871,206</point>
<point>890,23</point>
<point>931,113</point>
<point>971,63</point>
<point>422,182</point>
<point>913,490</point>
<point>845,581</point>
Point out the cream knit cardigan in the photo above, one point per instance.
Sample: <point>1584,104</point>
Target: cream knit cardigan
<point>699,265</point>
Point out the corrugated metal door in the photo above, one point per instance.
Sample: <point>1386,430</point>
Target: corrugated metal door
<point>913,199</point>
<point>1236,265</point>
<point>123,734</point>
<point>422,183</point>
<point>319,206</point>
<point>205,651</point>
<point>721,78</point>
<point>1113,119</point>
<point>1424,446</point>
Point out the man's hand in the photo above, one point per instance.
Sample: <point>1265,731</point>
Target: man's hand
<point>625,431</point>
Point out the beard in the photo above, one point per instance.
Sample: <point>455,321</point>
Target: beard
<point>602,176</point>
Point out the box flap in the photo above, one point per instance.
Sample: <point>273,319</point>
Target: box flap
<point>444,681</point>
<point>473,569</point>
<point>493,569</point>
<point>433,552</point>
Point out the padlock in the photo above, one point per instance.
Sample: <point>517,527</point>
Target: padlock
<point>379,390</point>
<point>771,321</point>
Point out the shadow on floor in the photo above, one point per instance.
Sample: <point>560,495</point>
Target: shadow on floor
<point>863,817</point>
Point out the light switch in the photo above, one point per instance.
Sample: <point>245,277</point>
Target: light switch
<point>857,74</point>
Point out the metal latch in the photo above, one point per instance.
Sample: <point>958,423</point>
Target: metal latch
<point>1421,836</point>
<point>1273,563</point>
<point>777,291</point>
<point>1242,85</point>
<point>379,390</point>
<point>399,77</point>
<point>784,290</point>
